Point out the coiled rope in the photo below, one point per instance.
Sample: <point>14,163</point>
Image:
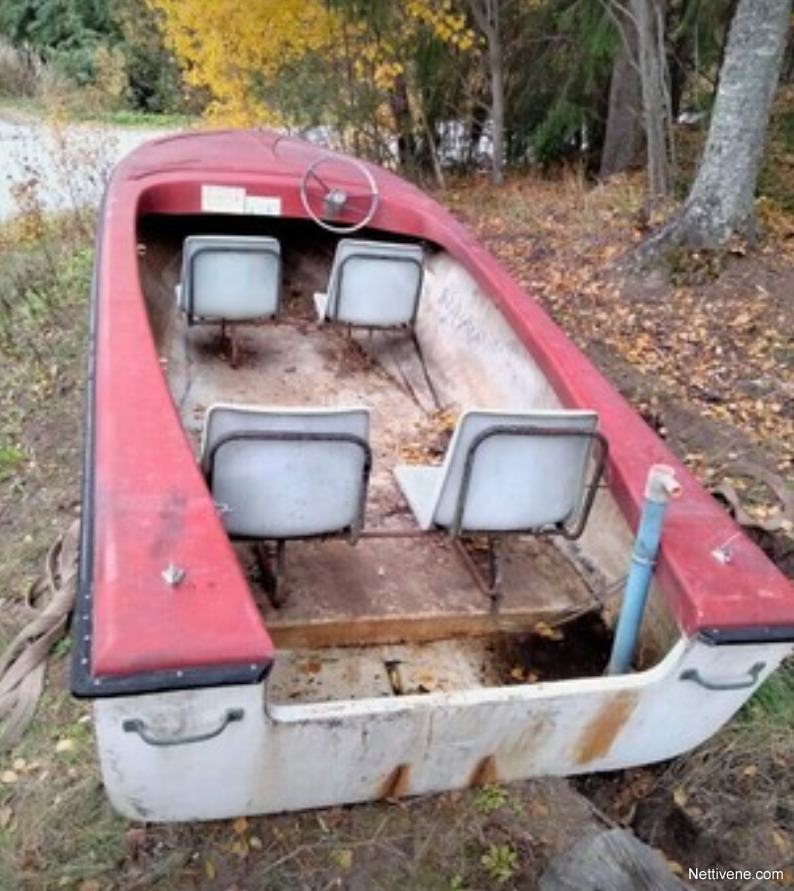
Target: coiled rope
<point>22,666</point>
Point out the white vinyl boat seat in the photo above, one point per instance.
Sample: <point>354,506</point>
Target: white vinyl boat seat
<point>285,473</point>
<point>373,284</point>
<point>507,472</point>
<point>229,278</point>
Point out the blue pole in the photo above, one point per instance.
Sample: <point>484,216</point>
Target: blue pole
<point>659,489</point>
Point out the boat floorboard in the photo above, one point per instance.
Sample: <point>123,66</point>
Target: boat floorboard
<point>416,589</point>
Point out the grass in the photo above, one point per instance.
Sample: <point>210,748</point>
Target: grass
<point>128,118</point>
<point>26,110</point>
<point>44,283</point>
<point>500,862</point>
<point>490,799</point>
<point>10,459</point>
<point>140,119</point>
<point>771,710</point>
<point>20,109</point>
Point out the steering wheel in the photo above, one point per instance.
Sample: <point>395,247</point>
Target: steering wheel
<point>325,202</point>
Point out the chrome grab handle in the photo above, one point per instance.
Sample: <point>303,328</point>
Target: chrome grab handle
<point>136,725</point>
<point>692,674</point>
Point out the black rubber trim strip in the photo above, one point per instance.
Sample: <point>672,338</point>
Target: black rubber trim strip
<point>83,683</point>
<point>85,686</point>
<point>758,634</point>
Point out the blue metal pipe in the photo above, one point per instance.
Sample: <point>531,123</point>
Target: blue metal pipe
<point>659,489</point>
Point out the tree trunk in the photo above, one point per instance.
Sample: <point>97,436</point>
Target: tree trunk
<point>720,204</point>
<point>649,21</point>
<point>401,111</point>
<point>624,140</point>
<point>486,14</point>
<point>497,109</point>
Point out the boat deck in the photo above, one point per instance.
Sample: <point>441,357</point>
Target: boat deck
<point>397,587</point>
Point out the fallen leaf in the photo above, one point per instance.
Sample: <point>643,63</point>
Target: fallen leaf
<point>428,680</point>
<point>9,777</point>
<point>782,842</point>
<point>240,825</point>
<point>342,857</point>
<point>136,839</point>
<point>675,866</point>
<point>240,848</point>
<point>544,630</point>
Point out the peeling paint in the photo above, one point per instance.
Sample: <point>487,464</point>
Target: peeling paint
<point>601,732</point>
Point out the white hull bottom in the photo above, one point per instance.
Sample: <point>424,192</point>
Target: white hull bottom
<point>223,752</point>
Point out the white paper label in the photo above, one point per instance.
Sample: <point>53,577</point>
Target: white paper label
<point>222,199</point>
<point>264,207</point>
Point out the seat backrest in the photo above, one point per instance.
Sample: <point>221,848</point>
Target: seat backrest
<point>232,278</point>
<point>284,473</point>
<point>375,283</point>
<point>520,478</point>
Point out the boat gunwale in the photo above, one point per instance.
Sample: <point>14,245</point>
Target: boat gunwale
<point>143,184</point>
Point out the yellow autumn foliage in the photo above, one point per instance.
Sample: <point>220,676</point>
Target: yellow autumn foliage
<point>224,45</point>
<point>231,47</point>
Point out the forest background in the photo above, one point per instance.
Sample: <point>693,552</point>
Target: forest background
<point>410,83</point>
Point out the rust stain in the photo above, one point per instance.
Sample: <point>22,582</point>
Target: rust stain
<point>597,738</point>
<point>484,774</point>
<point>395,786</point>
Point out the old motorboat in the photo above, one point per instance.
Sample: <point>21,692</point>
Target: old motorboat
<point>360,521</point>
